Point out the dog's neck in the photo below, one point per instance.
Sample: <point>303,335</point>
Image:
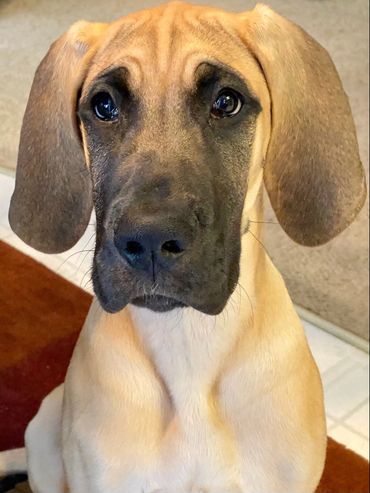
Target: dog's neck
<point>189,350</point>
<point>187,346</point>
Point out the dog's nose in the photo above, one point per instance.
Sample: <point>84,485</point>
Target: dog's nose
<point>150,246</point>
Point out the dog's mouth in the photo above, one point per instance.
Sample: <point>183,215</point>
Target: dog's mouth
<point>200,287</point>
<point>157,303</point>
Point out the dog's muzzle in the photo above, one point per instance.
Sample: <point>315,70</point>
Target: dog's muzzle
<point>161,245</point>
<point>159,255</point>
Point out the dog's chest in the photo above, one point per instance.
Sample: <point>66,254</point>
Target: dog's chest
<point>197,447</point>
<point>162,408</point>
<point>189,351</point>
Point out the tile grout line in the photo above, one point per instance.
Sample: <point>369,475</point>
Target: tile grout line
<point>353,431</point>
<point>340,375</point>
<point>355,409</point>
<point>338,422</point>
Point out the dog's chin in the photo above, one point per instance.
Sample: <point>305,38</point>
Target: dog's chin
<point>157,303</point>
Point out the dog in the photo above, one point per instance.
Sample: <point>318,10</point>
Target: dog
<point>192,372</point>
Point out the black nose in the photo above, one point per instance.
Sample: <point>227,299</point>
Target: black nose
<point>151,245</point>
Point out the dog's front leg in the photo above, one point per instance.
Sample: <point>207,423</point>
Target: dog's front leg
<point>43,444</point>
<point>114,412</point>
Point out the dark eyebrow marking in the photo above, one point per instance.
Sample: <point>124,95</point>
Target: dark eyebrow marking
<point>210,73</point>
<point>117,77</point>
<point>219,67</point>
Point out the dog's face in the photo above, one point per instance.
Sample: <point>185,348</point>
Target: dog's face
<point>169,134</point>
<point>165,116</point>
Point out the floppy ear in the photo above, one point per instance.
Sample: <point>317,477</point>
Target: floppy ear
<point>313,172</point>
<point>51,204</point>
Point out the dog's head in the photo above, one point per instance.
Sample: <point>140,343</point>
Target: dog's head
<point>166,121</point>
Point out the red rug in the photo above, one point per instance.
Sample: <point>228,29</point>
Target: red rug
<point>41,315</point>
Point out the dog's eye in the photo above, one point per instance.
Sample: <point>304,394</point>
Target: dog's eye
<point>228,103</point>
<point>104,107</point>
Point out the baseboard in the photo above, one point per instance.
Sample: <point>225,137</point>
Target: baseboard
<point>333,329</point>
<point>7,171</point>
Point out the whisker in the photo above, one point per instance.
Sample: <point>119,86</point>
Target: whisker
<point>234,305</point>
<point>88,272</point>
<point>82,261</point>
<point>242,288</point>
<point>259,241</point>
<point>72,255</point>
<point>87,244</point>
<point>154,288</point>
<point>87,283</point>
<point>85,250</point>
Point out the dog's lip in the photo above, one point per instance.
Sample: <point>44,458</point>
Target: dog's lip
<point>157,302</point>
<point>162,303</point>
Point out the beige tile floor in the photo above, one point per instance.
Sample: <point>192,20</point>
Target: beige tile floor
<point>344,368</point>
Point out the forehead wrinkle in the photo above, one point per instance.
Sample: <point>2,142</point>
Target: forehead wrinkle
<point>129,37</point>
<point>232,53</point>
<point>134,67</point>
<point>162,52</point>
<point>191,63</point>
<point>208,40</point>
<point>166,39</point>
<point>216,29</point>
<point>128,27</point>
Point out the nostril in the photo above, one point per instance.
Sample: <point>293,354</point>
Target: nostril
<point>173,247</point>
<point>134,248</point>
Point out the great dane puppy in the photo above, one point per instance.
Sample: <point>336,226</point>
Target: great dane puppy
<point>192,372</point>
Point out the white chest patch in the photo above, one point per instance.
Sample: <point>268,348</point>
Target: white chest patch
<point>189,350</point>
